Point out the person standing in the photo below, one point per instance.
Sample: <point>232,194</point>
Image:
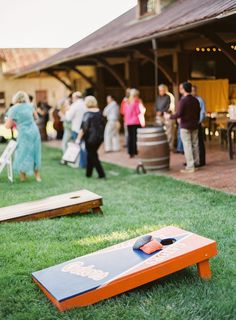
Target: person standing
<point>180,147</point>
<point>132,112</point>
<point>202,150</point>
<point>64,105</point>
<point>75,113</point>
<point>57,123</point>
<point>122,112</point>
<point>111,136</point>
<point>92,131</point>
<point>188,111</point>
<point>164,103</point>
<point>31,100</point>
<point>27,159</point>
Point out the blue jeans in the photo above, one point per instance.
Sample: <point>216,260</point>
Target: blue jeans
<point>180,147</point>
<point>83,151</point>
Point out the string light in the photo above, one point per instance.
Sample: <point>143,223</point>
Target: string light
<point>213,49</point>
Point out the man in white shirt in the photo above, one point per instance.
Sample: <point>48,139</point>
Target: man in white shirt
<point>75,113</point>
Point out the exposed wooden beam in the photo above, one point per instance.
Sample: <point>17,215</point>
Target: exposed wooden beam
<point>229,53</point>
<point>83,75</point>
<point>113,72</point>
<point>168,73</point>
<point>52,74</point>
<point>162,52</point>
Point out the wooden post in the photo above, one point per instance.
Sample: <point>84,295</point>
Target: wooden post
<point>133,73</point>
<point>181,66</point>
<point>175,70</point>
<point>100,87</point>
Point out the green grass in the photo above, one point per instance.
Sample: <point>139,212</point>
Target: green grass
<point>133,205</point>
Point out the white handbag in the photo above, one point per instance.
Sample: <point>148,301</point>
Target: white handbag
<point>72,153</point>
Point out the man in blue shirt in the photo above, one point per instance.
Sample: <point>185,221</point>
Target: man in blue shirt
<point>202,151</point>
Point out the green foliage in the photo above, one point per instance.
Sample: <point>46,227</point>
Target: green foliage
<point>133,205</point>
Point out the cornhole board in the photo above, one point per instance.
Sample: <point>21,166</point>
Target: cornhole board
<point>103,274</point>
<point>82,201</point>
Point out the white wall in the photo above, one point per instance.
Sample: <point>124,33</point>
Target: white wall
<point>55,90</point>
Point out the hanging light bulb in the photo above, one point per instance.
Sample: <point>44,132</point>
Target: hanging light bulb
<point>214,49</point>
<point>208,49</point>
<point>197,49</point>
<point>203,49</point>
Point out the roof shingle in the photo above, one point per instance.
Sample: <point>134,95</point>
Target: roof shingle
<point>18,58</point>
<point>127,29</point>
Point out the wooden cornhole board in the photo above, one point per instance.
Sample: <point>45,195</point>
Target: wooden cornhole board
<point>81,201</point>
<point>111,271</point>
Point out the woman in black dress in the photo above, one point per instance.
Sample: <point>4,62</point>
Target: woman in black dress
<point>92,132</point>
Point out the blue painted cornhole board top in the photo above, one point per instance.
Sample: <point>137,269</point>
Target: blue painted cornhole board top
<point>64,285</point>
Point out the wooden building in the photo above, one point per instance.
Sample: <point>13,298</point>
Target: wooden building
<point>42,87</point>
<point>158,41</point>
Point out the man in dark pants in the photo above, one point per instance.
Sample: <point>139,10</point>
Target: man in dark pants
<point>202,150</point>
<point>188,111</point>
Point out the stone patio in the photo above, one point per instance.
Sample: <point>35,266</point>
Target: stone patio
<point>219,173</point>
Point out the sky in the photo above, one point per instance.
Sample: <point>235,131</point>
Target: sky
<point>54,23</point>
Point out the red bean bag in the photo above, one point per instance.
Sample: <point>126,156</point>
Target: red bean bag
<point>151,247</point>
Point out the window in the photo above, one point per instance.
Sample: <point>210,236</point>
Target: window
<point>151,6</point>
<point>147,7</point>
<point>2,100</point>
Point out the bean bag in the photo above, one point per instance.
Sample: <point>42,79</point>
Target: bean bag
<point>142,241</point>
<point>151,247</point>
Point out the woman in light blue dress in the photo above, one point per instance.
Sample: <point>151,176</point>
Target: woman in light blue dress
<point>27,159</point>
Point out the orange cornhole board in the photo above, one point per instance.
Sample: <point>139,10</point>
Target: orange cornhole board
<point>82,201</point>
<point>111,271</point>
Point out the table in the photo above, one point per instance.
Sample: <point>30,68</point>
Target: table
<point>231,124</point>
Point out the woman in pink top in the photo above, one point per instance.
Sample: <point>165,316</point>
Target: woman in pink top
<point>131,116</point>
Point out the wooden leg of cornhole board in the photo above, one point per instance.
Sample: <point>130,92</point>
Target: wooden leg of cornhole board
<point>97,210</point>
<point>92,210</point>
<point>204,270</point>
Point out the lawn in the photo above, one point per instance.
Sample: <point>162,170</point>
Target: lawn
<point>133,205</point>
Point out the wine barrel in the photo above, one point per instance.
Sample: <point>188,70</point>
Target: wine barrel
<point>153,148</point>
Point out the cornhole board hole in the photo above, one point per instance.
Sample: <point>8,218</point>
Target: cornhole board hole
<point>82,201</point>
<point>103,274</point>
